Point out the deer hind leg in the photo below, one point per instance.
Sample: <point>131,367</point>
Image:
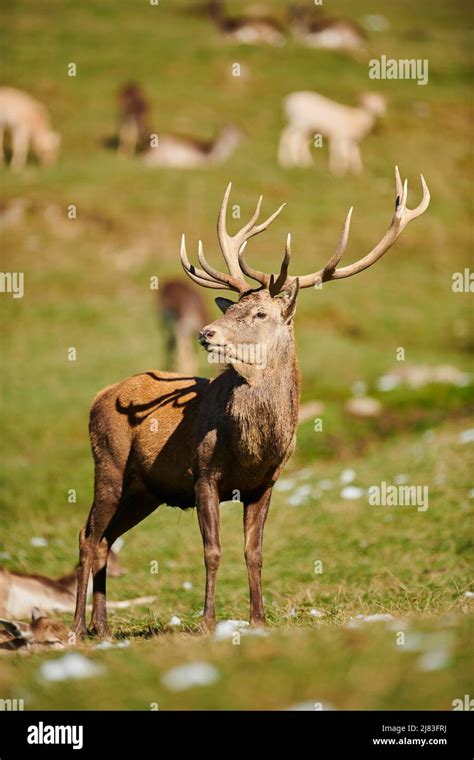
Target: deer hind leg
<point>355,159</point>
<point>134,507</point>
<point>255,515</point>
<point>339,156</point>
<point>20,144</point>
<point>207,501</point>
<point>304,156</point>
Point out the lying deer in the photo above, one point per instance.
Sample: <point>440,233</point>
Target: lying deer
<point>182,313</point>
<point>190,153</point>
<point>28,124</point>
<point>189,442</point>
<point>21,592</point>
<point>247,30</point>
<point>309,114</point>
<point>40,633</point>
<point>133,117</point>
<point>318,31</point>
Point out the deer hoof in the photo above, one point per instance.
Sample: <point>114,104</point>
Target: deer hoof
<point>207,625</point>
<point>101,630</point>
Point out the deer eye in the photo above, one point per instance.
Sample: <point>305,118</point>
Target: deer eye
<point>261,315</point>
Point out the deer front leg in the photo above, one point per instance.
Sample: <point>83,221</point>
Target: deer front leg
<point>207,502</point>
<point>255,515</point>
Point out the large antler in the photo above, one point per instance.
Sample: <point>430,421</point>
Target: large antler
<point>401,218</point>
<point>230,245</point>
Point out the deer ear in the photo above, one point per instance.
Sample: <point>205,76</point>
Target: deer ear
<point>289,301</point>
<point>223,304</point>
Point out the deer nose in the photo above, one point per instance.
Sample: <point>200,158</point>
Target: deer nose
<point>206,334</point>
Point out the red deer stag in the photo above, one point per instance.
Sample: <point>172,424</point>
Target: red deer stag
<point>188,442</point>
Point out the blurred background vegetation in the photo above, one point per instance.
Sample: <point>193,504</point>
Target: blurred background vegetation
<point>87,285</point>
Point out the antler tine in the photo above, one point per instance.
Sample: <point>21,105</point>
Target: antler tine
<point>252,230</point>
<point>221,277</point>
<point>330,267</point>
<point>233,245</point>
<point>254,274</point>
<point>195,274</point>
<point>401,218</point>
<point>278,284</point>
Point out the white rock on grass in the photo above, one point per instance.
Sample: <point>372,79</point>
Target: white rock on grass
<point>317,613</point>
<point>175,620</point>
<point>70,667</point>
<point>469,594</point>
<point>187,585</point>
<point>187,676</point>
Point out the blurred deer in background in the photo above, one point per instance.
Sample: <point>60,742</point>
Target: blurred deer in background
<point>247,30</point>
<point>316,30</point>
<point>27,122</point>
<point>189,442</point>
<point>21,592</point>
<point>182,313</point>
<point>133,116</point>
<point>309,114</point>
<point>190,153</point>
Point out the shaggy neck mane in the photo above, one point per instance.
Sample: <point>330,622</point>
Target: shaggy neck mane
<point>264,407</point>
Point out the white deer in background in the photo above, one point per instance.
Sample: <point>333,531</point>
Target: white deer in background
<point>28,124</point>
<point>309,114</point>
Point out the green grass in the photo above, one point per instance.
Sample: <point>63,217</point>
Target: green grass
<point>87,286</point>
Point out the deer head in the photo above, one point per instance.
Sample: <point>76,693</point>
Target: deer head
<point>263,316</point>
<point>42,631</point>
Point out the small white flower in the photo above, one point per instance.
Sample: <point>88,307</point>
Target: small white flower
<point>187,585</point>
<point>38,541</point>
<point>400,479</point>
<point>175,620</point>
<point>387,383</point>
<point>347,476</point>
<point>317,613</point>
<point>225,629</point>
<point>186,676</point>
<point>71,666</point>
<point>325,484</point>
<point>284,485</point>
<point>352,492</point>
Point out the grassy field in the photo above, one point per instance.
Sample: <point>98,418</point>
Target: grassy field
<point>87,287</point>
